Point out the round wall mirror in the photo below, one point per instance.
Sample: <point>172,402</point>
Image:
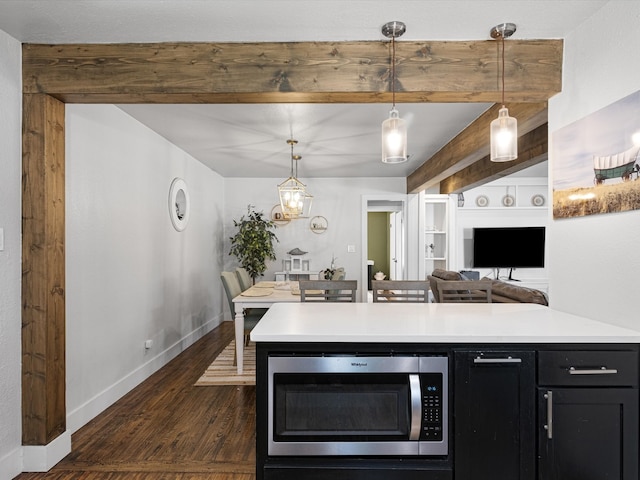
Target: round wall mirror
<point>179,205</point>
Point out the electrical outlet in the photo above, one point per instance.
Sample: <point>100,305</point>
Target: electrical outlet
<point>351,248</point>
<point>148,344</point>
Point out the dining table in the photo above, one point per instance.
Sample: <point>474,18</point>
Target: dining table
<point>261,295</point>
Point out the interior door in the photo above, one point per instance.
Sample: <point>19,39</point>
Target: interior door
<point>396,242</point>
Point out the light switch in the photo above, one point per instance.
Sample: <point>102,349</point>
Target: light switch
<point>351,248</point>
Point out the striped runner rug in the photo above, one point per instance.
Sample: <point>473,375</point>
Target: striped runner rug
<point>223,372</point>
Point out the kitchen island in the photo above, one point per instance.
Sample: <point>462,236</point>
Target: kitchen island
<point>443,391</point>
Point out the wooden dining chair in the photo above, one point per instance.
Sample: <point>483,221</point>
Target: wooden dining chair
<point>413,291</point>
<point>464,291</point>
<point>232,289</point>
<point>246,282</point>
<point>244,278</point>
<point>328,290</point>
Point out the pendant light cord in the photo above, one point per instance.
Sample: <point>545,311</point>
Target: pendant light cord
<point>292,158</point>
<point>502,42</point>
<point>393,70</point>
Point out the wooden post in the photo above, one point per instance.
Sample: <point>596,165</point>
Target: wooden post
<point>43,272</point>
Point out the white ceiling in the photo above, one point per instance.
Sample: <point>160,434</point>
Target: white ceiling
<point>250,140</point>
<point>336,140</point>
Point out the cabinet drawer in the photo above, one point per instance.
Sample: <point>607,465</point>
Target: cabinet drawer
<point>588,368</point>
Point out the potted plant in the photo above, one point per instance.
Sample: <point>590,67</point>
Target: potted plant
<point>253,242</point>
<point>327,273</point>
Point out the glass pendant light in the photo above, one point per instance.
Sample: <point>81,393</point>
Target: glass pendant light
<point>295,201</point>
<point>394,128</point>
<point>504,129</point>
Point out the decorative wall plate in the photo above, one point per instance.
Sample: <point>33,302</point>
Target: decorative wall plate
<point>508,201</point>
<point>318,224</point>
<point>482,201</point>
<point>277,216</point>
<point>537,200</point>
<point>179,205</point>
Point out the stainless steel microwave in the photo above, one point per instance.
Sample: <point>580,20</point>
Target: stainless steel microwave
<point>345,405</point>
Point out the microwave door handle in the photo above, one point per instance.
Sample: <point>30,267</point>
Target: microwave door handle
<point>416,407</point>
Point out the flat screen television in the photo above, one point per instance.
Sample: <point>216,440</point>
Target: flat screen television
<point>508,247</point>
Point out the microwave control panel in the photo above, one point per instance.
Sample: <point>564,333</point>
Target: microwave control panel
<point>432,407</point>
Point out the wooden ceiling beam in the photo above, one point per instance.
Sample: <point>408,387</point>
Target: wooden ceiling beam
<point>472,144</point>
<point>337,72</point>
<point>532,149</point>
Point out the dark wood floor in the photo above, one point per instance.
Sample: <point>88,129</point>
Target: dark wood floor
<point>168,429</point>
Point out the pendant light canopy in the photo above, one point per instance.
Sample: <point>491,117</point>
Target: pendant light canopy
<point>394,128</point>
<point>295,201</point>
<point>504,129</point>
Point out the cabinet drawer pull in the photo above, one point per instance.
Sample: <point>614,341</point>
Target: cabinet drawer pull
<point>549,426</point>
<point>497,360</point>
<point>592,371</point>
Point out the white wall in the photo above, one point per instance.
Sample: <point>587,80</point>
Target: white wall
<point>339,200</point>
<point>595,260</point>
<point>522,214</point>
<point>10,256</point>
<point>130,275</point>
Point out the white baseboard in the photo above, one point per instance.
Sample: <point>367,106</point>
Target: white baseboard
<point>43,457</point>
<point>11,464</point>
<point>90,409</point>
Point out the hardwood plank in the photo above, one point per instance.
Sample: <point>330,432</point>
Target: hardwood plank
<point>427,71</point>
<point>43,270</point>
<point>166,428</point>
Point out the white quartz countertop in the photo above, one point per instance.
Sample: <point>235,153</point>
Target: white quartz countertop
<point>432,323</point>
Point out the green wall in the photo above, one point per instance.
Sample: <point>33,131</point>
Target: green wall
<point>378,241</point>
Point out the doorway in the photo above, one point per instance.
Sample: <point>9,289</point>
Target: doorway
<point>384,238</point>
